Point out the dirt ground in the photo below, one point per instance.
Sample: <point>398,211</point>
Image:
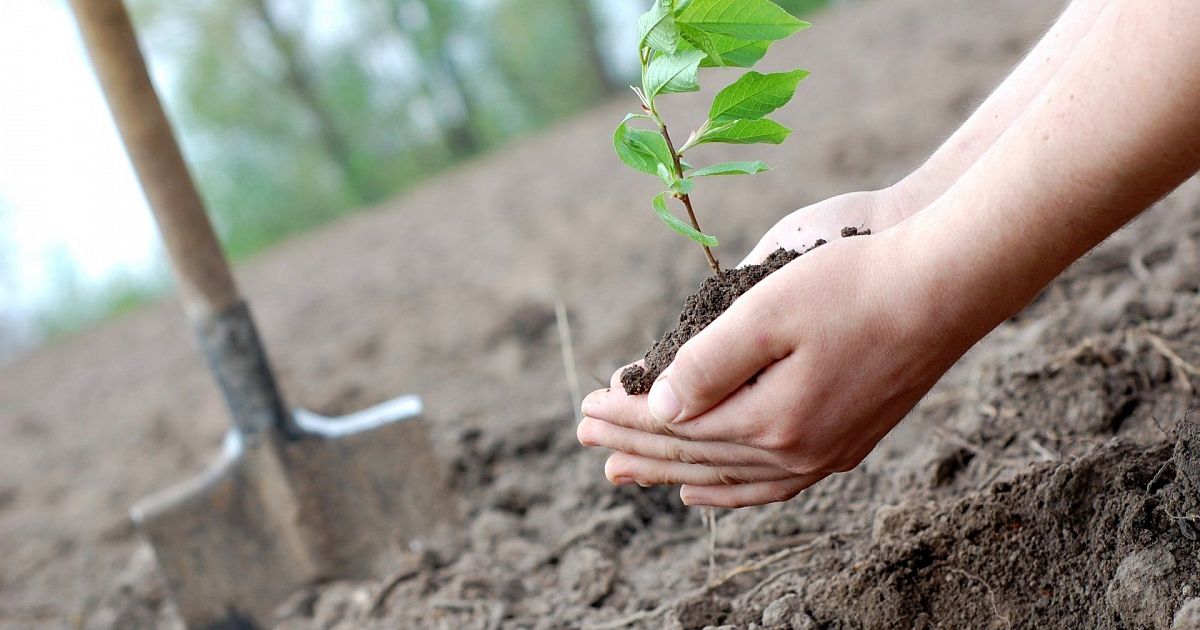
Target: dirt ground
<point>1045,482</point>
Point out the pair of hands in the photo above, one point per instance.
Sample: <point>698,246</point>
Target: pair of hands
<point>850,336</point>
<point>845,341</point>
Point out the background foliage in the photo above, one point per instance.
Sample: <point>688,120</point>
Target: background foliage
<point>293,112</point>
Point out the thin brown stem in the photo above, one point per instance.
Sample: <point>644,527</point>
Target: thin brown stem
<point>713,263</point>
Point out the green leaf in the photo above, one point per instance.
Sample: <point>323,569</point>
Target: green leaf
<point>683,186</point>
<point>732,168</point>
<point>672,74</point>
<point>642,150</point>
<point>734,53</point>
<point>673,222</point>
<point>747,132</point>
<point>665,174</point>
<point>704,42</point>
<point>657,29</point>
<point>755,95</point>
<point>740,19</point>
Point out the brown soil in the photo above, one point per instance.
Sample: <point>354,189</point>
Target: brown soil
<point>1048,481</point>
<point>700,309</point>
<point>714,297</point>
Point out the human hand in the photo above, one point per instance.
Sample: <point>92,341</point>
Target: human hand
<point>876,210</point>
<point>844,342</point>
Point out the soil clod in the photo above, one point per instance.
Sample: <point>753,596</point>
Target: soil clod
<point>704,306</point>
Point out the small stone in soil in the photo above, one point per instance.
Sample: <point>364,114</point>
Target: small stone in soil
<point>847,232</point>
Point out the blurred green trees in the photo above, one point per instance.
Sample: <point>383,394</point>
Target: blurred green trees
<point>295,111</point>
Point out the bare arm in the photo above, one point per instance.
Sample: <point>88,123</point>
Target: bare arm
<point>1118,128</point>
<point>884,208</point>
<point>847,339</point>
<point>1008,101</point>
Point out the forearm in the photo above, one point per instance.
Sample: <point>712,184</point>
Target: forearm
<point>1117,128</point>
<point>1000,109</point>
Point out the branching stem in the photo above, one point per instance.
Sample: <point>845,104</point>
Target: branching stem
<point>713,263</point>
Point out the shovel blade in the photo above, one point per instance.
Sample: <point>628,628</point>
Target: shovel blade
<point>273,516</point>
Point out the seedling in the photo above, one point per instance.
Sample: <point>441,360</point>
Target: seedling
<point>676,39</point>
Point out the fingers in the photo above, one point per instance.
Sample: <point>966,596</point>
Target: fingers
<point>593,432</point>
<point>746,495</point>
<point>623,469</point>
<point>615,407</point>
<point>719,360</point>
<point>771,415</point>
<point>615,381</point>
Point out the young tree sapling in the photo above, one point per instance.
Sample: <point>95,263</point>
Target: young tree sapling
<point>676,39</point>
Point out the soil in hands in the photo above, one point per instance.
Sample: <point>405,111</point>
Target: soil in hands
<point>703,307</point>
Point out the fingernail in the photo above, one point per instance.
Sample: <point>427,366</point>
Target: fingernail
<point>583,432</point>
<point>589,405</point>
<point>664,405</point>
<point>623,481</point>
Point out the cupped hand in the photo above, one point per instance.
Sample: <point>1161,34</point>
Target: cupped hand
<point>798,380</point>
<point>876,210</point>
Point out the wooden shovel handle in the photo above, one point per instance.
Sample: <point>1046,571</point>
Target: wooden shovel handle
<point>205,283</point>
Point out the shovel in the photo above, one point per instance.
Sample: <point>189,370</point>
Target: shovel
<point>294,498</point>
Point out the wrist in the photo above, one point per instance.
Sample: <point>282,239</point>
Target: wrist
<point>905,198</point>
<point>978,270</point>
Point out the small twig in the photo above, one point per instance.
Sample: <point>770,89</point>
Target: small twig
<point>976,449</point>
<point>948,395</point>
<point>957,440</point>
<point>1181,367</point>
<point>771,546</point>
<point>961,442</point>
<point>567,343</point>
<point>616,515</point>
<point>1157,474</point>
<point>389,587</point>
<point>1137,264</point>
<point>1072,353</point>
<point>710,518</point>
<point>1167,434</point>
<point>1043,451</point>
<point>713,585</point>
<point>760,564</point>
<point>770,579</point>
<point>991,593</point>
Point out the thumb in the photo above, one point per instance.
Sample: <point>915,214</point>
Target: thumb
<point>719,360</point>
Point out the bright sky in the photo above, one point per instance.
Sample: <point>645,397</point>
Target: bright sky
<point>66,187</point>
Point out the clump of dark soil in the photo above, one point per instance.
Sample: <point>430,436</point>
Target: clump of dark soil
<point>700,309</point>
<point>703,307</point>
<point>1086,543</point>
